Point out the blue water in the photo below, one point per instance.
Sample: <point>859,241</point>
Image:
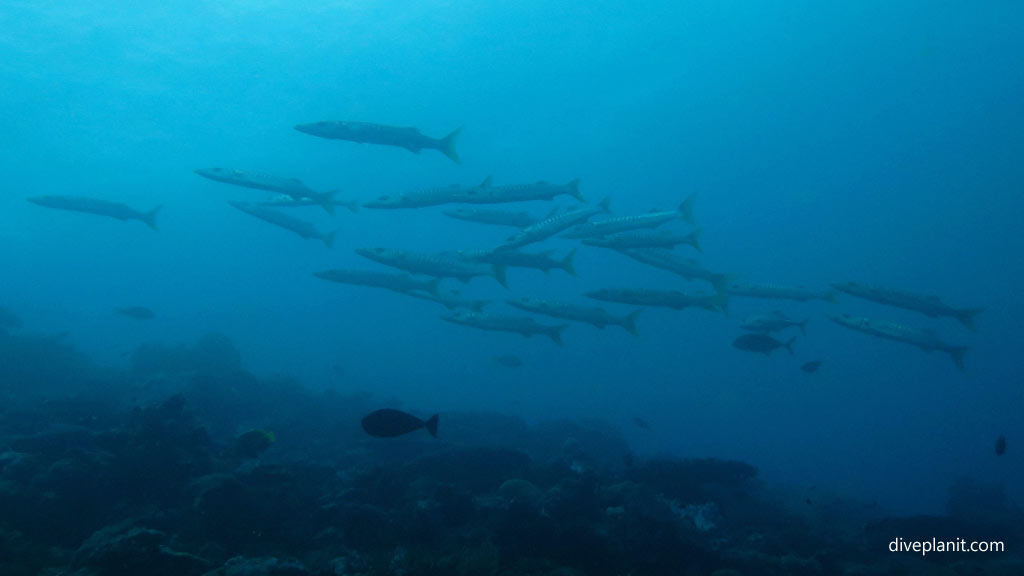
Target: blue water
<point>875,142</point>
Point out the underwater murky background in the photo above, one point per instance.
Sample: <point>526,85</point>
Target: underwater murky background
<point>869,142</point>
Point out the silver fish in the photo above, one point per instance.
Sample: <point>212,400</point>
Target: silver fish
<point>368,133</point>
<point>923,339</point>
<point>96,206</point>
<point>505,323</point>
<point>592,315</point>
<point>930,306</point>
<point>618,224</point>
<point>300,227</point>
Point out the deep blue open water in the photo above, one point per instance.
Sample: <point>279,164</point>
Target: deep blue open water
<point>826,142</point>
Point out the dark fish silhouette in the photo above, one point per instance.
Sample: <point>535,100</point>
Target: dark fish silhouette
<point>253,443</point>
<point>388,423</point>
<point>97,206</point>
<point>137,312</point>
<point>641,423</point>
<point>368,133</point>
<point>811,367</point>
<point>762,343</point>
<point>1001,445</point>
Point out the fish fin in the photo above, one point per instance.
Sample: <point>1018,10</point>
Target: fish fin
<point>721,282</point>
<point>789,345</point>
<point>555,333</point>
<point>352,205</point>
<point>686,208</point>
<point>957,354</point>
<point>464,279</point>
<point>830,297</point>
<point>500,274</point>
<point>150,217</point>
<point>447,146</point>
<point>431,425</point>
<point>966,316</point>
<point>574,189</point>
<point>693,239</point>
<point>486,183</point>
<point>326,200</point>
<point>722,301</point>
<point>329,238</point>
<point>629,322</point>
<point>478,305</point>
<point>803,327</point>
<point>568,264</point>
<point>432,287</point>
<point>412,149</point>
<point>605,205</point>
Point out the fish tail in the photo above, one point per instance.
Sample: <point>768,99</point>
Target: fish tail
<point>722,301</point>
<point>150,217</point>
<point>629,322</point>
<point>327,201</point>
<point>686,208</point>
<point>501,274</point>
<point>605,204</point>
<point>352,205</point>
<point>721,283</point>
<point>957,354</point>
<point>329,239</point>
<point>693,239</point>
<point>966,316</point>
<point>789,345</point>
<point>555,333</point>
<point>567,263</point>
<point>803,327</point>
<point>574,189</point>
<point>431,425</point>
<point>448,145</point>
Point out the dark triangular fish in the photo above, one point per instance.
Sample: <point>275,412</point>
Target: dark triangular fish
<point>811,367</point>
<point>388,423</point>
<point>762,343</point>
<point>137,312</point>
<point>1001,445</point>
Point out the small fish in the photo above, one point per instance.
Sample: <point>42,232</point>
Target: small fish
<point>762,343</point>
<point>368,133</point>
<point>1000,445</point>
<point>136,312</point>
<point>253,443</point>
<point>811,367</point>
<point>508,360</point>
<point>97,206</point>
<point>641,423</point>
<point>389,423</point>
